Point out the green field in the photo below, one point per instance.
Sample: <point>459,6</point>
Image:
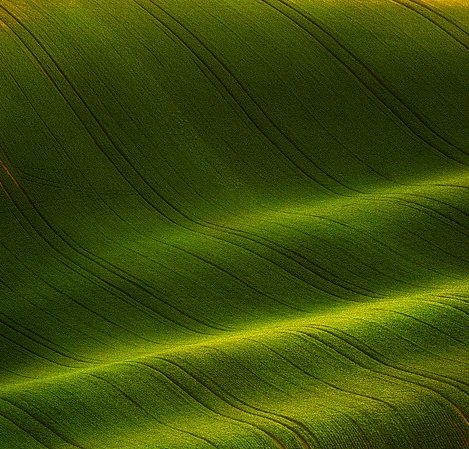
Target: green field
<point>234,224</point>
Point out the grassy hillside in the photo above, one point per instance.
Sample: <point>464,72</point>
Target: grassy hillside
<point>234,224</point>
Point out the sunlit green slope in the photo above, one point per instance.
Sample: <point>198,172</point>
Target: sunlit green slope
<point>234,224</point>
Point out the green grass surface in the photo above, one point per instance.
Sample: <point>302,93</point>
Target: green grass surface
<point>234,224</point>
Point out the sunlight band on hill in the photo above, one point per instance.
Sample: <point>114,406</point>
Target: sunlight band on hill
<point>234,224</point>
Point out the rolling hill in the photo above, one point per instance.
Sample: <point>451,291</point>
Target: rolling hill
<point>234,224</point>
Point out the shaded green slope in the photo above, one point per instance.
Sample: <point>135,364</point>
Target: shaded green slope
<point>234,224</point>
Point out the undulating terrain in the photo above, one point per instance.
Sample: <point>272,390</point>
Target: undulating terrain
<point>234,224</point>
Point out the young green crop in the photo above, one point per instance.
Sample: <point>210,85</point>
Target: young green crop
<point>234,224</point>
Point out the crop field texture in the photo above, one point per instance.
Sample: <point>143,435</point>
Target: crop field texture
<point>234,224</point>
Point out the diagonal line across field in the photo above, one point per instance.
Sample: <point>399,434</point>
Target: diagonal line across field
<point>234,224</point>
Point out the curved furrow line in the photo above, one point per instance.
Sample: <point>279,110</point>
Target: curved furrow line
<point>302,387</point>
<point>77,357</point>
<point>375,240</point>
<point>23,376</point>
<point>271,244</point>
<point>419,48</point>
<point>446,380</point>
<point>274,387</point>
<point>296,257</point>
<point>116,146</point>
<point>42,341</point>
<point>23,430</point>
<point>419,236</point>
<point>88,309</point>
<point>365,438</point>
<point>234,402</point>
<point>32,106</point>
<point>465,312</point>
<point>75,301</point>
<point>39,355</point>
<point>413,121</point>
<point>234,276</point>
<point>211,348</point>
<point>109,143</point>
<point>258,342</point>
<point>136,282</point>
<point>418,120</point>
<point>232,360</point>
<point>454,408</point>
<point>406,370</point>
<point>213,264</point>
<point>319,379</point>
<point>432,212</point>
<point>131,147</point>
<point>66,260</point>
<point>240,233</point>
<point>225,230</point>
<point>216,339</point>
<point>345,356</point>
<point>457,297</point>
<point>438,12</point>
<point>260,241</point>
<point>288,378</point>
<point>241,405</point>
<point>142,178</point>
<point>40,414</point>
<point>264,381</point>
<point>158,263</point>
<point>426,324</point>
<point>406,257</point>
<point>307,108</point>
<point>320,272</point>
<point>228,359</point>
<point>355,256</point>
<point>410,342</point>
<point>222,269</point>
<point>250,107</point>
<point>92,274</point>
<point>371,352</point>
<point>7,194</point>
<point>454,186</point>
<point>146,412</point>
<point>380,359</point>
<point>429,14</point>
<point>414,383</point>
<point>335,386</point>
<point>223,400</point>
<point>36,179</point>
<point>439,201</point>
<point>43,424</point>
